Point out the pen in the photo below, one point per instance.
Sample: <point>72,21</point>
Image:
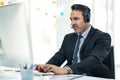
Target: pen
<point>32,66</point>
<point>21,67</point>
<point>25,66</point>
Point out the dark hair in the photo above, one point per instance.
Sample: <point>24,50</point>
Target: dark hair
<point>85,11</point>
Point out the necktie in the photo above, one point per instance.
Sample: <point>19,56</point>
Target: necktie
<point>76,49</point>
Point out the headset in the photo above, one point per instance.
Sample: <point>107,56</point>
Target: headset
<point>86,15</point>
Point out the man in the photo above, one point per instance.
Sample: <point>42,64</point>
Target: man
<point>93,48</point>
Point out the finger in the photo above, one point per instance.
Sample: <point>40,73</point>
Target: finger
<point>47,68</point>
<point>51,70</point>
<point>36,66</point>
<point>50,67</point>
<point>39,68</point>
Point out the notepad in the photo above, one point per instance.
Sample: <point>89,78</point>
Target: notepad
<point>37,73</point>
<point>60,77</point>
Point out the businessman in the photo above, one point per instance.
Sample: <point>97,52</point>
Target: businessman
<point>84,50</point>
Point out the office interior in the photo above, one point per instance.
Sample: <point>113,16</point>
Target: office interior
<point>48,22</point>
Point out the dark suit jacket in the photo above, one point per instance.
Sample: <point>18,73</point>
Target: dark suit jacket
<point>93,51</point>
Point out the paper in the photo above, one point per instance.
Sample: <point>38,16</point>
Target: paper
<point>59,77</point>
<point>92,78</point>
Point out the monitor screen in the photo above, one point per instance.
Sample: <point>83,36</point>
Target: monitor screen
<point>15,41</point>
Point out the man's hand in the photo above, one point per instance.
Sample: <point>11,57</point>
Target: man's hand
<point>39,67</point>
<point>51,68</point>
<point>54,69</point>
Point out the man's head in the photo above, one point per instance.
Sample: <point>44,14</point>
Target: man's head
<point>84,9</point>
<point>80,17</point>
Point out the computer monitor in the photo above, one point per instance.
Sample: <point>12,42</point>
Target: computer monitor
<point>15,40</point>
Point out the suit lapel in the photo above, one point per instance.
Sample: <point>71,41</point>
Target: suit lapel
<point>73,41</point>
<point>92,30</point>
<point>72,44</point>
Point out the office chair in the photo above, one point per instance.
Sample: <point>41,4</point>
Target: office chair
<point>109,61</point>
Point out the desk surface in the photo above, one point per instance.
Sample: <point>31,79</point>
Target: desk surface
<point>92,78</point>
<point>12,75</point>
<point>16,76</point>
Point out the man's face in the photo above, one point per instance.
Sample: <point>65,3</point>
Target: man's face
<point>77,21</point>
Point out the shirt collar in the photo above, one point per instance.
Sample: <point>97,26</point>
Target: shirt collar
<point>84,35</point>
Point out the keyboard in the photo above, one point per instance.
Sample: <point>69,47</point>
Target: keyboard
<point>37,73</point>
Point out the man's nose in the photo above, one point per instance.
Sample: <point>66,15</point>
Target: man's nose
<point>73,23</point>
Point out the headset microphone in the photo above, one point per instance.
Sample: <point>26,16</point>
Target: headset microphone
<point>72,27</point>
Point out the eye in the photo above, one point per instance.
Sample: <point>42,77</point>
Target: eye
<point>76,18</point>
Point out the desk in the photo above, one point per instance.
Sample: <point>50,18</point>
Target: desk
<point>92,78</point>
<point>17,76</point>
<point>12,75</point>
